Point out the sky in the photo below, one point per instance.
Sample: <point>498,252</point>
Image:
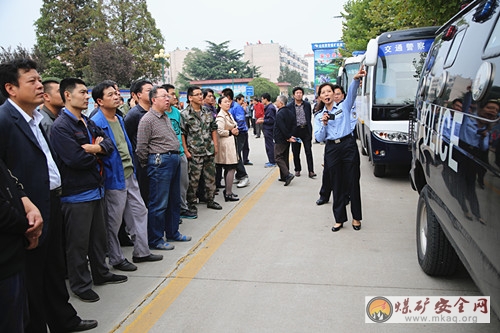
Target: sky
<point>292,23</point>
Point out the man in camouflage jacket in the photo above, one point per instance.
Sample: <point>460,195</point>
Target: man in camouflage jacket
<point>199,138</point>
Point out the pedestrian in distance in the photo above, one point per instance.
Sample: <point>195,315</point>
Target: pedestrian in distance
<point>268,128</point>
<point>227,156</point>
<point>238,114</point>
<point>303,131</point>
<point>333,125</point>
<point>283,136</point>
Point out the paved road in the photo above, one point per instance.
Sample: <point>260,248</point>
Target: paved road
<point>269,263</point>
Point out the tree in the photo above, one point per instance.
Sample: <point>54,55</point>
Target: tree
<point>8,54</point>
<point>215,63</point>
<point>263,85</point>
<point>132,26</point>
<point>111,61</point>
<point>366,19</point>
<point>291,76</point>
<point>64,33</point>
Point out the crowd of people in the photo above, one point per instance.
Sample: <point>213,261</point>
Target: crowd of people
<point>74,189</point>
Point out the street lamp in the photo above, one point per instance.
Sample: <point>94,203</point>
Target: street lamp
<point>162,57</point>
<point>232,72</point>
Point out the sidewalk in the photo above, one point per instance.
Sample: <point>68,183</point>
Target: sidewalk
<point>269,263</point>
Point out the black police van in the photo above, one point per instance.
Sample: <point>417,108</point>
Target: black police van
<point>455,141</point>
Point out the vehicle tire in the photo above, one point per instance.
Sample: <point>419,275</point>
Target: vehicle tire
<point>435,254</point>
<point>379,170</point>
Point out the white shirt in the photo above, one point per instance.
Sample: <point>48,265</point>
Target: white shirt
<point>54,175</point>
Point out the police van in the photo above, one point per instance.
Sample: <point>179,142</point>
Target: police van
<point>393,62</point>
<point>455,140</point>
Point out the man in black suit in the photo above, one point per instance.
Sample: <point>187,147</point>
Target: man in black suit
<point>25,150</point>
<point>20,227</point>
<point>283,130</point>
<point>303,130</point>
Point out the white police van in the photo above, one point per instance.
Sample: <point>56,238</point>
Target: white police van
<point>455,138</point>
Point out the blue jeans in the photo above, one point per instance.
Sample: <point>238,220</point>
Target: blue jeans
<point>164,209</point>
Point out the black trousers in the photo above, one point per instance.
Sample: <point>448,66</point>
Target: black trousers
<point>48,297</point>
<point>342,163</point>
<point>281,155</point>
<point>326,186</point>
<point>305,136</point>
<point>269,143</point>
<point>241,143</point>
<point>13,303</point>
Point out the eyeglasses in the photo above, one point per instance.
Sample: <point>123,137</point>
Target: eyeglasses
<point>198,94</point>
<point>163,96</point>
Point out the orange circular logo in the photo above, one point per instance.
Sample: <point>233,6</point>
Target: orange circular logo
<point>379,309</point>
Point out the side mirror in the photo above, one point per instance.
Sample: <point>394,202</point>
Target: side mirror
<point>371,53</point>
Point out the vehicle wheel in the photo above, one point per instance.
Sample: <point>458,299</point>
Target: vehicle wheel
<point>436,256</point>
<point>379,170</point>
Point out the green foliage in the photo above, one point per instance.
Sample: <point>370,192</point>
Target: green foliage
<point>291,76</point>
<point>8,54</point>
<point>215,63</point>
<point>366,19</point>
<point>64,32</point>
<point>263,85</point>
<point>132,26</point>
<point>111,61</point>
<point>68,31</point>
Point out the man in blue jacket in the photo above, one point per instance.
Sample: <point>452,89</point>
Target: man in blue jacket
<point>123,197</point>
<point>80,144</point>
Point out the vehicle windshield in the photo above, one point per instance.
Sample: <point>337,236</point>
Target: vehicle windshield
<point>351,70</point>
<point>398,70</point>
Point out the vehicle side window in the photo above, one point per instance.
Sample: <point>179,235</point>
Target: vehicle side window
<point>455,46</point>
<point>492,48</point>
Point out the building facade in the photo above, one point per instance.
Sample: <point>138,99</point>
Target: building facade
<point>271,57</point>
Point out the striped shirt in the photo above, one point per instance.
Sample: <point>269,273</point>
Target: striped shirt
<point>155,135</point>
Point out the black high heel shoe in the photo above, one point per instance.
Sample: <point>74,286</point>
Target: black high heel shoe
<point>230,197</point>
<point>356,227</point>
<point>335,229</point>
<point>233,194</point>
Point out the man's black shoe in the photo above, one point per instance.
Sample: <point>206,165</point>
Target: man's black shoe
<point>113,278</point>
<point>125,266</point>
<point>288,179</point>
<point>321,201</point>
<point>88,296</point>
<point>214,205</point>
<point>151,257</point>
<point>83,325</point>
<point>187,214</point>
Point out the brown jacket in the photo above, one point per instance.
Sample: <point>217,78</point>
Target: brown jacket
<point>227,144</point>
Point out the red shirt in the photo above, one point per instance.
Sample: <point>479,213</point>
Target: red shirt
<point>259,110</point>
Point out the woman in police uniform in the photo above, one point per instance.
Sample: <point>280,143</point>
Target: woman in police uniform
<point>341,159</point>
